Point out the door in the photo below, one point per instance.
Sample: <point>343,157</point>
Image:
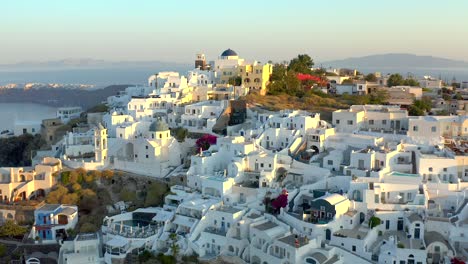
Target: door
<point>400,224</point>
<point>387,224</point>
<point>417,233</point>
<point>397,125</point>
<point>328,234</point>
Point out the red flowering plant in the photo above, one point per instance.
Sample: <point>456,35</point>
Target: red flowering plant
<point>206,141</point>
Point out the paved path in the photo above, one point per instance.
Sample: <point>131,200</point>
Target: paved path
<point>11,242</point>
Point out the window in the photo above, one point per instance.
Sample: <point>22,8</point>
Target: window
<point>384,122</point>
<point>350,122</point>
<point>147,156</point>
<point>354,248</point>
<point>146,147</point>
<point>376,198</point>
<point>433,129</point>
<point>415,128</point>
<point>445,169</point>
<point>430,169</point>
<point>322,208</point>
<point>337,121</point>
<point>330,162</point>
<point>371,122</point>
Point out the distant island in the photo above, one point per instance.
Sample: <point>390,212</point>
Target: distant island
<point>58,97</point>
<point>396,60</point>
<point>85,63</point>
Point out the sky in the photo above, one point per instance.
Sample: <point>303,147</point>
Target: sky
<point>176,30</point>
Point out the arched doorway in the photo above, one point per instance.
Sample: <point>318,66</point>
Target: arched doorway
<point>39,193</point>
<point>256,260</point>
<point>129,152</point>
<point>315,150</point>
<point>21,196</point>
<point>362,217</point>
<point>328,234</point>
<point>62,219</point>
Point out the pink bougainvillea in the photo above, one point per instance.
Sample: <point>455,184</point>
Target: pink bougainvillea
<point>281,201</point>
<point>206,141</point>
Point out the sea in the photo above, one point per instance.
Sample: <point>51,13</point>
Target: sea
<point>9,112</point>
<point>445,74</point>
<point>105,77</point>
<point>97,77</point>
<point>24,112</point>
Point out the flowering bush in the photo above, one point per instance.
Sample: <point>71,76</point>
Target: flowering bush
<point>206,141</point>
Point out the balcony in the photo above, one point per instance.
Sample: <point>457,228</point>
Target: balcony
<point>216,231</point>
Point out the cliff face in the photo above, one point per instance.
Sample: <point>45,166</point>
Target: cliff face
<point>60,97</point>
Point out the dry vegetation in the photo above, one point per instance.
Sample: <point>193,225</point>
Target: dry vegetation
<point>311,102</point>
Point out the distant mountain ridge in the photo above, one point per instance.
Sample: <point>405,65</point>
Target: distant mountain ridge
<point>86,63</point>
<point>396,60</point>
<point>58,97</point>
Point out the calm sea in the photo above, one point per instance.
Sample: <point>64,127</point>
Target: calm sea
<point>99,77</point>
<point>9,112</point>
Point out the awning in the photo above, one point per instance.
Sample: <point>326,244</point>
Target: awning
<point>116,242</point>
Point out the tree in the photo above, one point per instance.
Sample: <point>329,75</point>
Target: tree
<point>370,77</point>
<point>236,81</point>
<point>88,228</point>
<point>107,174</point>
<point>278,73</point>
<point>446,97</point>
<point>91,176</point>
<point>293,85</point>
<point>374,221</point>
<point>70,198</point>
<point>174,246</point>
<point>76,187</point>
<point>180,133</point>
<point>395,80</point>
<point>415,111</point>
<point>379,97</point>
<point>302,64</point>
<point>145,256</point>
<point>155,194</point>
<point>10,229</point>
<point>127,196</point>
<point>425,103</point>
<point>411,82</point>
<point>17,151</point>
<point>347,81</point>
<point>3,250</point>
<point>55,196</point>
<point>88,200</point>
<point>65,177</point>
<point>73,176</point>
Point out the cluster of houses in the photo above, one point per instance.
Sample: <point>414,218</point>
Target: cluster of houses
<point>374,185</point>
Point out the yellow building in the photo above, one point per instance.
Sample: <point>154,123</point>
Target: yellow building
<point>254,76</point>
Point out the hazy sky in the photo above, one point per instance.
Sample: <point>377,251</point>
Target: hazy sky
<point>256,29</point>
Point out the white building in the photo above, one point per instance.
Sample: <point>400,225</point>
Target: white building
<point>28,183</point>
<point>147,148</point>
<point>68,113</point>
<point>84,249</point>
